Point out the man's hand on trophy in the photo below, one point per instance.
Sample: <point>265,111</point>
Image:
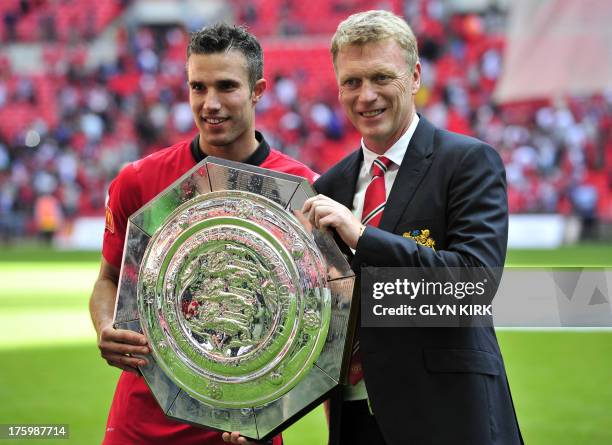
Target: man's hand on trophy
<point>323,212</point>
<point>118,345</point>
<point>236,438</point>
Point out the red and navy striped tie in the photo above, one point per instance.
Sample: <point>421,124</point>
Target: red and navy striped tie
<point>373,207</point>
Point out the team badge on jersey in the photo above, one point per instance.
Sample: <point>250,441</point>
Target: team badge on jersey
<point>109,224</point>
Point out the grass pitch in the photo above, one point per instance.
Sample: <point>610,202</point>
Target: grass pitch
<point>51,372</point>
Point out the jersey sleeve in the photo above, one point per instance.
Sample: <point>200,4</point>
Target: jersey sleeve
<point>123,199</point>
<point>309,175</point>
<point>297,168</point>
<point>281,162</point>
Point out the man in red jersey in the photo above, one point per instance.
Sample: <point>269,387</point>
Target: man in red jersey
<point>225,76</point>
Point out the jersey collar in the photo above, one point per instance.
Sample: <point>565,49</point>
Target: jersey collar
<point>257,158</point>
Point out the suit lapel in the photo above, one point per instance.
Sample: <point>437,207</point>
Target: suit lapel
<point>415,164</point>
<point>343,188</point>
<point>347,181</point>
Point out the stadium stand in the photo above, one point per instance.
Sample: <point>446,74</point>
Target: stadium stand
<point>67,129</point>
<point>56,20</point>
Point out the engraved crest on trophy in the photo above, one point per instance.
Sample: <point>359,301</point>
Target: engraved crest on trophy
<point>245,306</point>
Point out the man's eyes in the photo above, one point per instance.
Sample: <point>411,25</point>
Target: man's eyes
<point>378,78</point>
<point>227,86</point>
<point>351,83</point>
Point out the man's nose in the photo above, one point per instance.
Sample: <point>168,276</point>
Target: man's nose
<point>368,92</point>
<point>212,103</point>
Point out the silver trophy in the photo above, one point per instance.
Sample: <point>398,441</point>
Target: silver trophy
<point>246,307</point>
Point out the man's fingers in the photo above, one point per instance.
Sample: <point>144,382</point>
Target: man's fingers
<point>310,202</point>
<point>121,348</point>
<point>307,205</point>
<point>234,437</point>
<point>237,438</point>
<point>124,336</point>
<point>303,219</point>
<point>124,368</point>
<point>121,360</point>
<point>322,211</point>
<point>117,346</point>
<point>313,206</point>
<point>122,341</point>
<point>125,360</point>
<point>327,221</point>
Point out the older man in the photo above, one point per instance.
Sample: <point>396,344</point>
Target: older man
<point>413,195</point>
<point>225,78</point>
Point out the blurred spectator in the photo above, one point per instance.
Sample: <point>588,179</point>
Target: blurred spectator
<point>584,198</point>
<point>10,25</point>
<point>48,216</point>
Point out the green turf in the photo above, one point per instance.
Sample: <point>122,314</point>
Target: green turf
<point>50,369</point>
<point>561,384</point>
<point>585,255</point>
<point>580,255</point>
<point>57,384</point>
<point>29,253</point>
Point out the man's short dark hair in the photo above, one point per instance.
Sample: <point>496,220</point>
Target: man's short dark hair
<point>223,38</point>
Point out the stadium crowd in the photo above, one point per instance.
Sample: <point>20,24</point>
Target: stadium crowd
<point>66,130</point>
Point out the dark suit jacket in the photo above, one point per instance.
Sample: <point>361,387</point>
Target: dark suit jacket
<point>443,386</point>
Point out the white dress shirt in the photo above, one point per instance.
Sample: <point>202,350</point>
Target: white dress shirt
<point>396,154</point>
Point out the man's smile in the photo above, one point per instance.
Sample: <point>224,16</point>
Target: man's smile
<point>214,120</point>
<point>372,113</point>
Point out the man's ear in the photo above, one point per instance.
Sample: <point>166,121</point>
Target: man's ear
<point>416,78</point>
<point>258,90</point>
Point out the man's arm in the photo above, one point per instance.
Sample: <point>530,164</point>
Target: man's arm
<point>116,345</point>
<point>476,213</point>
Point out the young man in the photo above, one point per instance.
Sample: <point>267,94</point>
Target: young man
<point>225,76</point>
<point>413,196</point>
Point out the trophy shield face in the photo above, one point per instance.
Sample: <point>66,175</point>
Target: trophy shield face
<point>245,306</point>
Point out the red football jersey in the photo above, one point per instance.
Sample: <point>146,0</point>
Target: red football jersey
<point>135,417</point>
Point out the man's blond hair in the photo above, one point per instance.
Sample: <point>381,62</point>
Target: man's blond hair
<point>374,26</point>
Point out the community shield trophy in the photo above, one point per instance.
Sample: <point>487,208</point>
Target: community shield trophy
<point>246,306</point>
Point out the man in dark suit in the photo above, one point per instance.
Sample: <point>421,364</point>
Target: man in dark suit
<point>413,195</point>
